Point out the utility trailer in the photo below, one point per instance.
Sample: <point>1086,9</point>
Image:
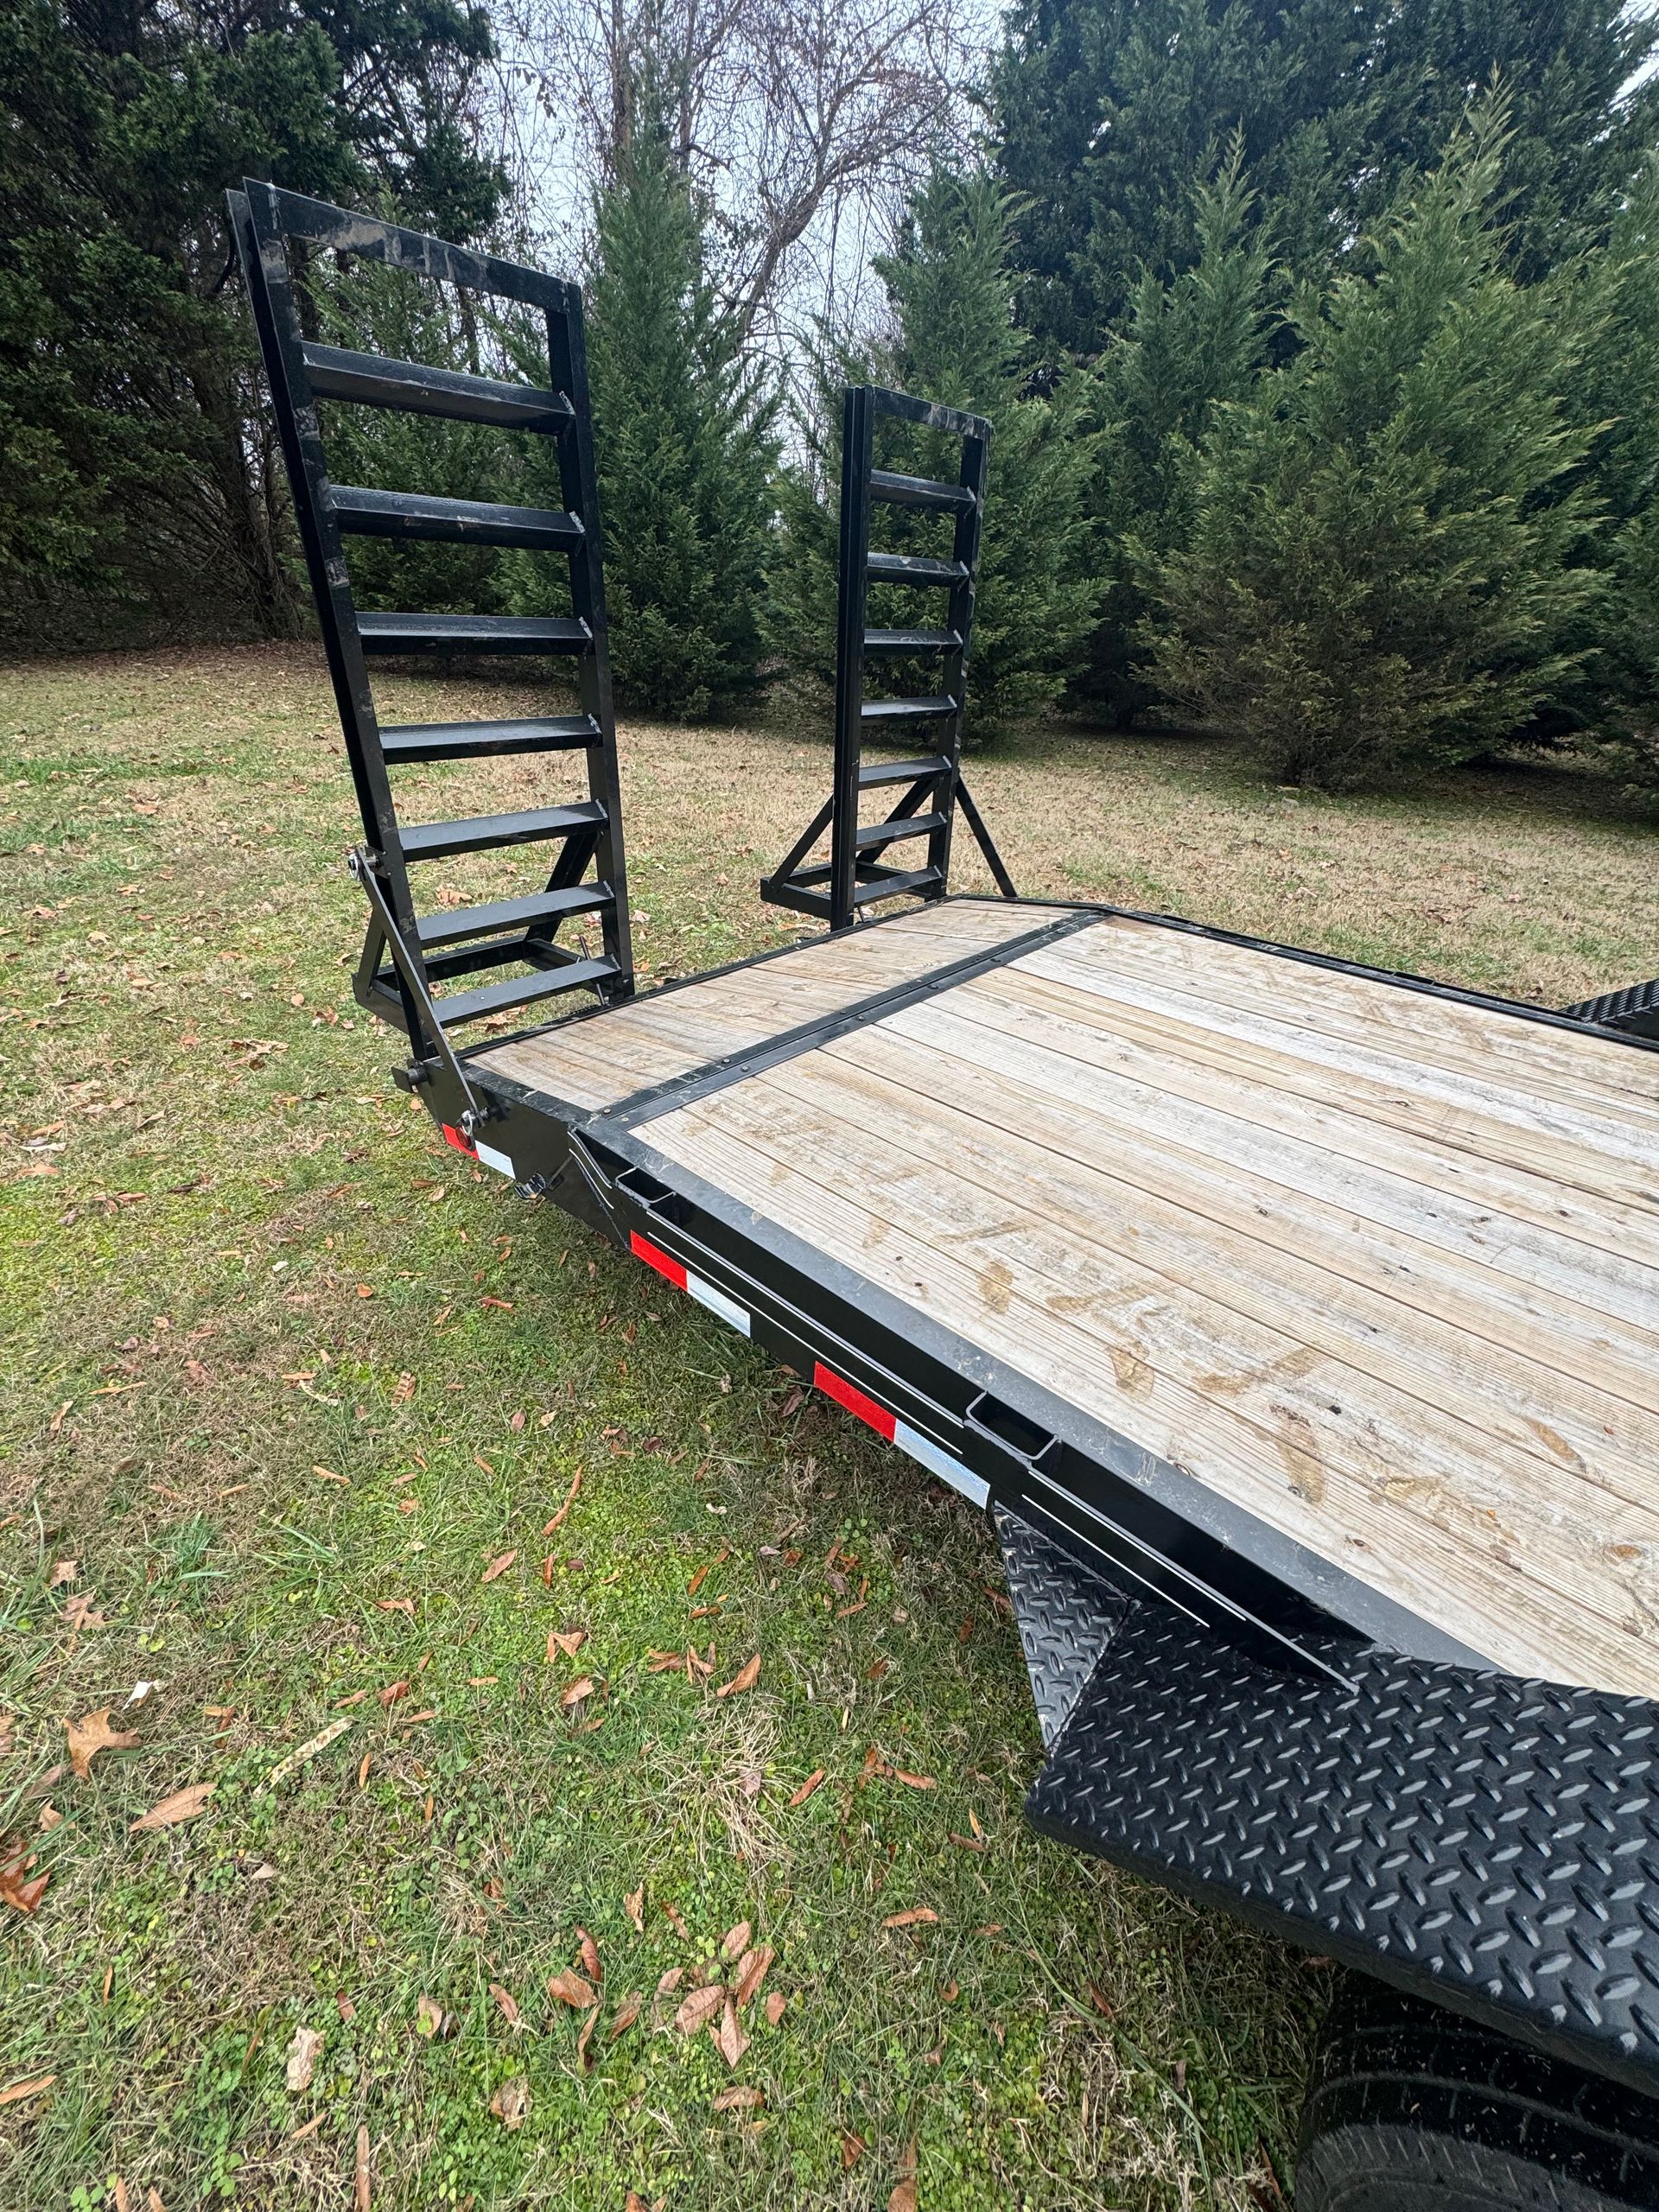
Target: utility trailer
<point>1295,1321</point>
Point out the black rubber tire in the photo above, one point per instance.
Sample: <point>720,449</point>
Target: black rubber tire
<point>1411,2108</point>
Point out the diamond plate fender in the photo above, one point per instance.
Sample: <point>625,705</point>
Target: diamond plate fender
<point>1066,1616</point>
<point>1490,1843</point>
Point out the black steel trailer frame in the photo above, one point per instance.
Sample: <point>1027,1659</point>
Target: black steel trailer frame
<point>1224,1709</point>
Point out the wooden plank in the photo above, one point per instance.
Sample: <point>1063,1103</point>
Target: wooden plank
<point>1125,1353</point>
<point>1535,1057</point>
<point>600,1060</point>
<point>1599,1255</point>
<point>1380,1306</point>
<point>1608,1160</point>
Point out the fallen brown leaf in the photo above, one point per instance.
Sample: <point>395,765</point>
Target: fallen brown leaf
<point>508,2003</point>
<point>570,1641</point>
<point>634,1905</point>
<point>626,2014</point>
<point>584,2058</point>
<point>63,1570</point>
<point>498,1565</point>
<point>432,2021</point>
<point>738,2099</point>
<point>701,2005</point>
<point>676,1920</point>
<point>569,1988</point>
<point>392,1692</point>
<point>919,1915</point>
<point>914,1781</point>
<point>745,1679</point>
<point>903,2198</point>
<point>588,1952</point>
<point>362,2185</point>
<point>752,1971</point>
<point>302,2054</point>
<point>17,1889</point>
<point>735,1942</point>
<point>670,1982</point>
<point>510,2103</point>
<point>853,2148</point>
<point>557,1521</point>
<point>729,2039</point>
<point>182,1805</point>
<point>806,1788</point>
<point>404,1389</point>
<point>32,2087</point>
<point>777,2005</point>
<point>92,1734</point>
<point>1099,1999</point>
<point>583,1687</point>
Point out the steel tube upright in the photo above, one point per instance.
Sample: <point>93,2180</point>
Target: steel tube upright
<point>857,443</point>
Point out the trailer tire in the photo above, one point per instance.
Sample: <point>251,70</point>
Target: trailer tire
<point>1412,2109</point>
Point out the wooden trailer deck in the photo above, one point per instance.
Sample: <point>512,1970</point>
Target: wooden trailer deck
<point>1382,1267</point>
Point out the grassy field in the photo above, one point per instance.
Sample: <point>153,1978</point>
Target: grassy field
<point>292,1396</point>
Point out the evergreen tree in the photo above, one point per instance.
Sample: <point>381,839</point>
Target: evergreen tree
<point>1615,397</point>
<point>953,340</point>
<point>1187,344</point>
<point>1103,110</point>
<point>683,442</point>
<point>134,450</point>
<point>1384,569</point>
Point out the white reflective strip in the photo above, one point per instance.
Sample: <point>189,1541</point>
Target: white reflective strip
<point>489,1157</point>
<point>729,1310</point>
<point>940,1463</point>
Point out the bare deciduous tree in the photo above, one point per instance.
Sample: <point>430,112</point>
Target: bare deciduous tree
<point>785,113</point>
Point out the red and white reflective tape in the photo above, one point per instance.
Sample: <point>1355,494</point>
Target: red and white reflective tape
<point>726,1309</point>
<point>486,1154</point>
<point>931,1456</point>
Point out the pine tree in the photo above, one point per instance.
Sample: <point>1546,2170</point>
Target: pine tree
<point>1615,397</point>
<point>684,444</point>
<point>953,340</point>
<point>1188,344</point>
<point>1384,571</point>
<point>1103,109</point>
<point>135,458</point>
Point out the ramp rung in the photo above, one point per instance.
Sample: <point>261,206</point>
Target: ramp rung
<point>472,633</point>
<point>912,641</point>
<point>414,515</point>
<point>377,380</point>
<point>908,710</point>
<point>913,568</point>
<point>920,492</point>
<point>879,772</point>
<point>901,826</point>
<point>457,925</point>
<point>432,841</point>
<point>412,742</point>
<point>521,991</point>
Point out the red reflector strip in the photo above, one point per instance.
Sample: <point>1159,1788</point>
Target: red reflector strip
<point>452,1135</point>
<point>847,1393</point>
<point>655,1257</point>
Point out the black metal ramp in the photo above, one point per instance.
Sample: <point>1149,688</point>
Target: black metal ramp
<point>1488,1842</point>
<point>1635,1010</point>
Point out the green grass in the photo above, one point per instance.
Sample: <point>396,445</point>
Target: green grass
<point>233,1256</point>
